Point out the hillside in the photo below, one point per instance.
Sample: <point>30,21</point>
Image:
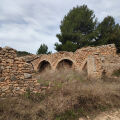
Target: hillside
<point>65,95</point>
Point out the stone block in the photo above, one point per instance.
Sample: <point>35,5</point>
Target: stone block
<point>27,75</point>
<point>2,79</point>
<point>13,78</point>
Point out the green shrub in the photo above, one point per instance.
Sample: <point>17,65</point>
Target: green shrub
<point>116,73</point>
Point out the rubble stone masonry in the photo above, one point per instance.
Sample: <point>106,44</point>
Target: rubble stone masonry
<point>16,72</point>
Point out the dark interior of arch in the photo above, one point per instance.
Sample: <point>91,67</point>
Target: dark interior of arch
<point>65,64</point>
<point>44,66</point>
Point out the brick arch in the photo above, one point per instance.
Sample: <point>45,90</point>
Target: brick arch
<point>65,58</point>
<point>44,65</point>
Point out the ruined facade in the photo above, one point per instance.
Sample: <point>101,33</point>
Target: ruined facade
<point>89,58</point>
<point>16,73</point>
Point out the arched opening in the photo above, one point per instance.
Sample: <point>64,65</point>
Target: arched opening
<point>44,66</point>
<point>65,64</point>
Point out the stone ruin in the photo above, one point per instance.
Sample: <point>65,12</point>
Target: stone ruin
<point>16,72</point>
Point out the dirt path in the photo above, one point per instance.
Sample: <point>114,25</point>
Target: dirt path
<point>111,115</point>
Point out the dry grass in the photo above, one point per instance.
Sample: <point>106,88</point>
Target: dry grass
<point>71,95</point>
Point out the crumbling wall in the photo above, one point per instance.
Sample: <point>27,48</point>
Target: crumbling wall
<point>110,64</point>
<point>15,73</point>
<point>102,66</point>
<point>77,57</point>
<point>104,50</point>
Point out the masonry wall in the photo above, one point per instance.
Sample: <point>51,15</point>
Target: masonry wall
<point>77,57</point>
<point>101,66</point>
<point>84,53</point>
<point>15,73</point>
<point>110,64</point>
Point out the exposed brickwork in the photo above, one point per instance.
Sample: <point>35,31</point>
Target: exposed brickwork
<point>16,73</point>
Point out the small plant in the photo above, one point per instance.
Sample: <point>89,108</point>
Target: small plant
<point>28,93</point>
<point>116,73</point>
<point>67,115</point>
<point>35,97</point>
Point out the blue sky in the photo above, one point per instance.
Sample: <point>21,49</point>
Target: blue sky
<point>26,24</point>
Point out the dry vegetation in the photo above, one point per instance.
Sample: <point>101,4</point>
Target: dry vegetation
<point>69,97</point>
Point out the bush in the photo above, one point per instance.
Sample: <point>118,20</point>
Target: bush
<point>22,53</point>
<point>116,73</point>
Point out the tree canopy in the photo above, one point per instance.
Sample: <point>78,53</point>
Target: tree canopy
<point>109,32</point>
<point>43,49</point>
<point>77,27</point>
<point>80,28</point>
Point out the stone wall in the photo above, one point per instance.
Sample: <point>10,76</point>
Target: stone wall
<point>15,73</point>
<point>84,53</point>
<point>77,57</point>
<point>110,64</point>
<point>99,66</point>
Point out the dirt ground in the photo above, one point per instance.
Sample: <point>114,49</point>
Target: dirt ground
<point>109,115</point>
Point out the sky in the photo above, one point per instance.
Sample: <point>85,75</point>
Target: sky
<point>26,24</point>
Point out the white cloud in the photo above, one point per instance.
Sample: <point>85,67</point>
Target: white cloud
<point>25,24</point>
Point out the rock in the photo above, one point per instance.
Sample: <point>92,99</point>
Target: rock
<point>26,65</point>
<point>8,67</point>
<point>2,67</point>
<point>17,88</point>
<point>5,88</point>
<point>9,61</point>
<point>0,70</point>
<point>8,48</point>
<point>2,79</point>
<point>27,75</point>
<point>11,87</point>
<point>13,78</point>
<point>81,119</point>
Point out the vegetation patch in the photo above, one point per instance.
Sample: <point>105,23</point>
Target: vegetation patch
<point>70,96</point>
<point>116,73</point>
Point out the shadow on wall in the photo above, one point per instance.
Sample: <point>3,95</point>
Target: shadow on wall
<point>84,69</point>
<point>44,66</point>
<point>65,64</point>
